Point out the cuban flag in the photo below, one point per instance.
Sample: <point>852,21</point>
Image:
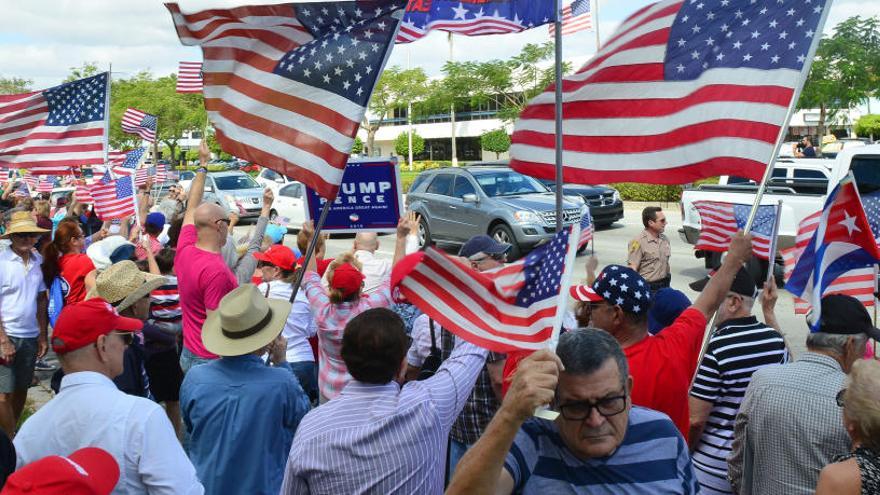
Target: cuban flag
<point>473,17</point>
<point>843,241</point>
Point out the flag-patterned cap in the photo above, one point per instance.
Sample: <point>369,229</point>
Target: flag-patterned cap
<point>622,286</point>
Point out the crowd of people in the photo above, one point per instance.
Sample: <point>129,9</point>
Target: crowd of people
<point>187,365</point>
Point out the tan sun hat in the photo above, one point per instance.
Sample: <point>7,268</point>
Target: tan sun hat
<point>124,282</point>
<point>244,322</point>
<point>22,222</point>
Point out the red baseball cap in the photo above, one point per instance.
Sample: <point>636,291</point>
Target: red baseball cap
<point>278,255</point>
<point>80,324</point>
<point>347,278</point>
<point>584,293</point>
<point>88,471</point>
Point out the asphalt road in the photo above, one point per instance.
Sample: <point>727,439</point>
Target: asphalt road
<point>610,247</point>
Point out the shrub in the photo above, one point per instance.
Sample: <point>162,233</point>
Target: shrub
<point>401,144</point>
<point>630,191</point>
<point>497,141</point>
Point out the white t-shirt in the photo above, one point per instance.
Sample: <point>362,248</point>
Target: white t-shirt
<point>19,286</point>
<point>300,324</point>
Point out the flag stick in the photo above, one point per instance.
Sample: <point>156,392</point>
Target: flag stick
<point>311,249</point>
<point>451,109</point>
<point>558,113</point>
<point>774,240</point>
<point>596,22</point>
<point>783,130</point>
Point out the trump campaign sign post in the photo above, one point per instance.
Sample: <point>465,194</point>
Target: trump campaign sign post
<point>370,198</point>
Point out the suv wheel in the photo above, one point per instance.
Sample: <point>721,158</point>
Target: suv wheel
<point>502,233</point>
<point>424,233</point>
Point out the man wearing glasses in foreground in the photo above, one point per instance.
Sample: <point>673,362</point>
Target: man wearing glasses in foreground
<point>600,443</point>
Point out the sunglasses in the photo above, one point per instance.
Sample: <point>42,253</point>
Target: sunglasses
<point>607,407</point>
<point>127,337</point>
<point>27,235</point>
<point>497,257</point>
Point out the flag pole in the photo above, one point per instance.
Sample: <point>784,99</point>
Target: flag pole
<point>558,113</point>
<point>596,22</point>
<point>452,108</point>
<point>311,249</point>
<point>774,240</point>
<point>783,130</point>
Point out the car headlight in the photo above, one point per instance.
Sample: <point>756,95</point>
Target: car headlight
<point>616,196</point>
<point>526,217</point>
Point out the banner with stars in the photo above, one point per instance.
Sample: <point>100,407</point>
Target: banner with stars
<point>684,89</point>
<point>473,17</point>
<point>57,128</point>
<point>286,86</point>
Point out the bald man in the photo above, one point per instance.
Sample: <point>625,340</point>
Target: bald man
<point>375,270</point>
<point>202,275</point>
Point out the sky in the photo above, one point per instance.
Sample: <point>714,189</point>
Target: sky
<point>41,40</point>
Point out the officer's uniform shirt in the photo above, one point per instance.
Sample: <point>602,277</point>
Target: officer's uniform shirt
<point>650,256</point>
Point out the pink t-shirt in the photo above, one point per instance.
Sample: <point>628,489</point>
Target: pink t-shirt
<point>202,279</point>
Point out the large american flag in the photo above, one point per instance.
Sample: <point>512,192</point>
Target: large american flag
<point>586,228</point>
<point>719,221</point>
<point>683,90</point>
<point>137,122</point>
<point>51,170</point>
<point>125,162</point>
<point>575,17</point>
<point>517,306</point>
<point>114,198</point>
<point>286,86</point>
<point>56,128</point>
<point>841,253</point>
<point>473,18</point>
<point>189,77</point>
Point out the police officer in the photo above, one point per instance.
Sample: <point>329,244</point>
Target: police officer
<point>649,251</point>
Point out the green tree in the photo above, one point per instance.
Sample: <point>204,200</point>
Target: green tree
<point>497,141</point>
<point>358,146</point>
<point>845,70</point>
<point>868,126</point>
<point>176,113</point>
<point>505,84</point>
<point>401,144</point>
<point>395,88</point>
<point>14,85</point>
<point>87,69</point>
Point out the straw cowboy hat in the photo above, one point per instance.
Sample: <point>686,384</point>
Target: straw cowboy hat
<point>22,223</point>
<point>124,282</point>
<point>244,322</point>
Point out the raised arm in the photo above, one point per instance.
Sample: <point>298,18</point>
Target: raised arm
<point>404,227</point>
<point>716,290</point>
<point>197,187</point>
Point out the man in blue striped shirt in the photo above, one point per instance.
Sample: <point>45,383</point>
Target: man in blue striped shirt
<point>599,443</point>
<point>378,436</point>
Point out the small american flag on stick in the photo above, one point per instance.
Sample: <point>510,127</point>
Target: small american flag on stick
<point>575,17</point>
<point>114,198</point>
<point>517,306</point>
<point>143,124</point>
<point>720,221</point>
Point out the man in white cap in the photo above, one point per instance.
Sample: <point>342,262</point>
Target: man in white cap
<point>23,316</point>
<point>238,400</point>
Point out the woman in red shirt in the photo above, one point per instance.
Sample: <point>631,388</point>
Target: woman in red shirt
<point>64,258</point>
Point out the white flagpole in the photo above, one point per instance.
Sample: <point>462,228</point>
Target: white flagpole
<point>558,112</point>
<point>783,130</point>
<point>774,240</point>
<point>595,15</point>
<point>452,109</point>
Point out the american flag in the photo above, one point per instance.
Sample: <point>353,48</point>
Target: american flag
<point>287,86</point>
<point>517,306</point>
<point>143,124</point>
<point>45,185</point>
<point>575,17</point>
<point>114,198</point>
<point>719,221</point>
<point>842,245</point>
<point>157,172</point>
<point>127,162</point>
<point>51,170</point>
<point>22,190</point>
<point>56,128</point>
<point>473,18</point>
<point>31,181</point>
<point>82,193</point>
<point>586,228</point>
<point>683,90</point>
<point>189,77</point>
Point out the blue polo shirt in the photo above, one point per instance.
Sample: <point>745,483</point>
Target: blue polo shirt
<point>241,415</point>
<point>652,459</point>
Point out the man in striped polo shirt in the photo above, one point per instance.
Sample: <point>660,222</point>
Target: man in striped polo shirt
<point>600,443</point>
<point>738,347</point>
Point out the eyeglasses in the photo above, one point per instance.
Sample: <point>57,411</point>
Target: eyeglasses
<point>127,337</point>
<point>599,304</point>
<point>27,235</point>
<point>839,398</point>
<point>607,407</point>
<point>502,257</point>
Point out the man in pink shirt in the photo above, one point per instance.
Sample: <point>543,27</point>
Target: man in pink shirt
<point>203,277</point>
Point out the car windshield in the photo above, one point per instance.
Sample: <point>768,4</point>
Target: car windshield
<point>508,183</point>
<point>270,174</point>
<point>230,182</point>
<point>187,175</point>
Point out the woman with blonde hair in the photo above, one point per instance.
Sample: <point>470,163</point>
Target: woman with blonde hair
<point>344,300</point>
<point>859,471</point>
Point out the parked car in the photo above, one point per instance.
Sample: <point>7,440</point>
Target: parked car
<point>272,179</point>
<point>830,150</point>
<point>456,204</point>
<point>185,178</point>
<point>236,191</point>
<point>289,207</point>
<point>605,204</point>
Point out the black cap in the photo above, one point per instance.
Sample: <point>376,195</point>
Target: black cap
<point>743,284</point>
<point>845,315</point>
<point>483,244</point>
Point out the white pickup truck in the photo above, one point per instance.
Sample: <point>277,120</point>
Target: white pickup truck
<point>802,184</point>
